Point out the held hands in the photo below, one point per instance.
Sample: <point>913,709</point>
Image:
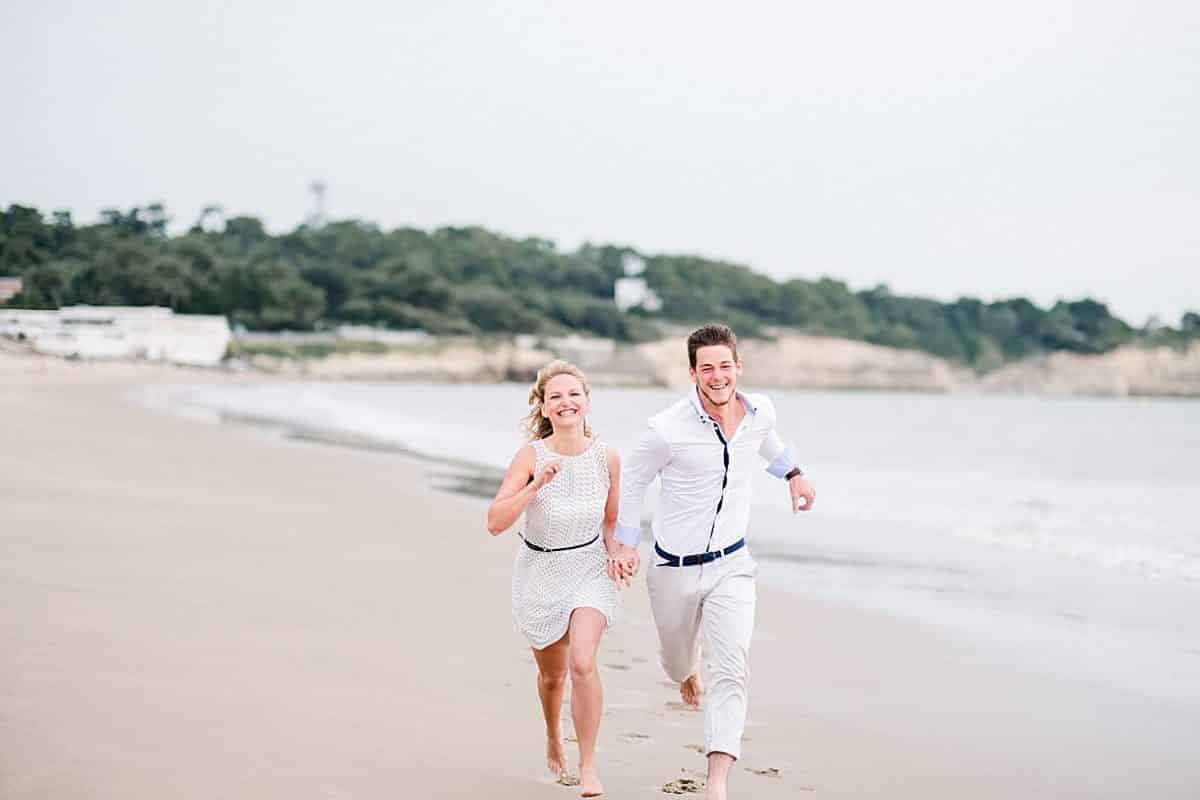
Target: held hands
<point>623,563</point>
<point>803,494</point>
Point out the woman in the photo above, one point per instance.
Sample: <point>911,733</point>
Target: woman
<point>564,588</point>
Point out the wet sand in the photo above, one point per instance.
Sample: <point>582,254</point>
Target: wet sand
<point>199,610</point>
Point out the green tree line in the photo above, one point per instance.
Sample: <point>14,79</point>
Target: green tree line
<point>467,280</point>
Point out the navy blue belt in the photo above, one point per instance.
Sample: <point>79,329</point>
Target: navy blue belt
<point>541,549</point>
<point>673,560</point>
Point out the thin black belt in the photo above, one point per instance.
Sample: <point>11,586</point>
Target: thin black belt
<point>673,560</point>
<point>541,549</point>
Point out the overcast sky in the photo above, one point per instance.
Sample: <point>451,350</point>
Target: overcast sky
<point>1044,149</point>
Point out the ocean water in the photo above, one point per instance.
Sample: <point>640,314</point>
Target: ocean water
<point>1060,535</point>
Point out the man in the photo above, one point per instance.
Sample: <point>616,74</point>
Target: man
<point>705,449</point>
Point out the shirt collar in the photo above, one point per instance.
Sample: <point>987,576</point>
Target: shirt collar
<point>698,407</point>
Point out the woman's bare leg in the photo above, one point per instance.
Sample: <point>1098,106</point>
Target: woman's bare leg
<point>587,700</point>
<point>551,680</point>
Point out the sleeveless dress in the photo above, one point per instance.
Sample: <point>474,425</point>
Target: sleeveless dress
<point>547,587</point>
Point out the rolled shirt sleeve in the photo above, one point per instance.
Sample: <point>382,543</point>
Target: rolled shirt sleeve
<point>639,471</point>
<point>780,457</point>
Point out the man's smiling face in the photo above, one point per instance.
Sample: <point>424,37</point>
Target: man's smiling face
<point>716,373</point>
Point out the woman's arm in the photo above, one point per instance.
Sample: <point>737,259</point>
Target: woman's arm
<point>622,575</point>
<point>516,490</point>
<point>613,503</point>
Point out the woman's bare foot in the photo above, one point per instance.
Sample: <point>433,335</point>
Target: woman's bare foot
<point>556,759</point>
<point>589,783</point>
<point>690,690</point>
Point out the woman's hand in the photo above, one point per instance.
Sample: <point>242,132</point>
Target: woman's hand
<point>547,474</point>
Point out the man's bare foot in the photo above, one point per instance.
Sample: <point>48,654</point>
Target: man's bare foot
<point>556,759</point>
<point>589,783</point>
<point>690,690</point>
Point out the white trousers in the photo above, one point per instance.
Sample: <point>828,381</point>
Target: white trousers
<point>716,600</point>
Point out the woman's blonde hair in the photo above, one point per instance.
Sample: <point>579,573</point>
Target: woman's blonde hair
<point>539,426</point>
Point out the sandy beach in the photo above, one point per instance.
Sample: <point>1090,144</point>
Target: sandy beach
<point>195,610</point>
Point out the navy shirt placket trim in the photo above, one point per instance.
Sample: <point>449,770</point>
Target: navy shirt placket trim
<point>724,483</point>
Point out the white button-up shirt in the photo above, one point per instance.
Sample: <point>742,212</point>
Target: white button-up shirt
<point>705,499</point>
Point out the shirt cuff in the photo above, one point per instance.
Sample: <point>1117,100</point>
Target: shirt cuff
<point>783,464</point>
<point>627,534</point>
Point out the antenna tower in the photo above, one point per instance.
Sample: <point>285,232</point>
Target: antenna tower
<point>318,217</point>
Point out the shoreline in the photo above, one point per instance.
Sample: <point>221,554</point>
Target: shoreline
<point>257,618</point>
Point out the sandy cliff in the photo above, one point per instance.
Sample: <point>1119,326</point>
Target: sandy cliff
<point>789,362</point>
<point>1158,371</point>
<point>819,362</point>
<point>451,360</point>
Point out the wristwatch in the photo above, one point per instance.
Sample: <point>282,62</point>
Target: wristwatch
<point>792,473</point>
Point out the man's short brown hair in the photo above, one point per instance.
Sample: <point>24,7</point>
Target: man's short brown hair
<point>709,335</point>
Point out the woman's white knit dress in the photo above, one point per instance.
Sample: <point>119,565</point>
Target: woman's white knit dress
<point>547,587</point>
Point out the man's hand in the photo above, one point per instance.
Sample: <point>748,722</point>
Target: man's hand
<point>803,494</point>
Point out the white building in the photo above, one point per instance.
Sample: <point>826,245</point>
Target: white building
<point>125,332</point>
<point>9,287</point>
<point>633,265</point>
<point>632,291</point>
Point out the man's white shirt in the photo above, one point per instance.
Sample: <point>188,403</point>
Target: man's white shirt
<point>705,502</point>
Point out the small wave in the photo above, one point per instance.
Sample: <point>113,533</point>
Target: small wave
<point>1145,560</point>
<point>826,560</point>
<point>307,414</point>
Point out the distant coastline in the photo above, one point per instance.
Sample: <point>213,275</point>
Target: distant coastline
<point>463,283</point>
<point>789,361</point>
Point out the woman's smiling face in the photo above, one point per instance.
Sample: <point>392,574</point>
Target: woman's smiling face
<point>565,403</point>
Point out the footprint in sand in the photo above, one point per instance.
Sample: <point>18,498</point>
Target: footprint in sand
<point>675,705</point>
<point>617,666</point>
<point>570,739</point>
<point>567,780</point>
<point>634,738</point>
<point>768,772</point>
<point>699,748</point>
<point>684,786</point>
